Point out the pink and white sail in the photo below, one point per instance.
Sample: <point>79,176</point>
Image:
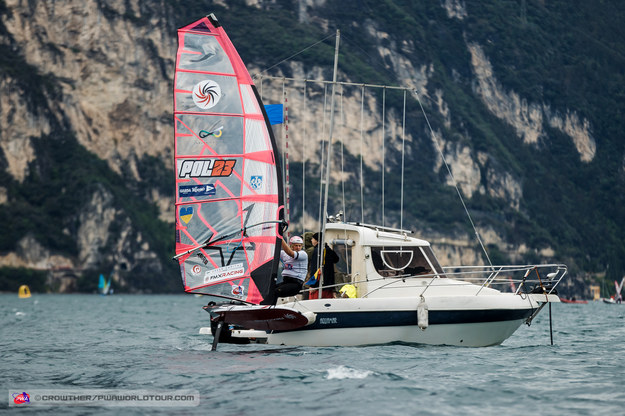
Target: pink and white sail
<point>228,185</point>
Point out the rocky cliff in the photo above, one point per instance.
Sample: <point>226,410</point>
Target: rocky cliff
<point>86,136</point>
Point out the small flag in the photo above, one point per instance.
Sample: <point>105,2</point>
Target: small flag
<point>275,112</point>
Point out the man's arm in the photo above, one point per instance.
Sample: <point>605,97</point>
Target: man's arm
<point>287,249</point>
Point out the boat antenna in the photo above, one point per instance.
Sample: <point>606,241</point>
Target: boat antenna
<point>451,175</point>
<point>328,159</point>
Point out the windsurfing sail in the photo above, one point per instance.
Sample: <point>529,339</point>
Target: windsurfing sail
<point>228,184</point>
<point>103,285</point>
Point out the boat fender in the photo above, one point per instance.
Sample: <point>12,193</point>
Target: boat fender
<point>311,316</point>
<point>422,314</point>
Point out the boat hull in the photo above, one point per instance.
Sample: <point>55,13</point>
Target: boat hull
<point>477,334</point>
<point>472,322</point>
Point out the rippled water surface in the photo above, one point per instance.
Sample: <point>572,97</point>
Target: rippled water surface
<point>152,342</point>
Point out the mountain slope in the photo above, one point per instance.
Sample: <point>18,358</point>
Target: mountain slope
<point>523,99</point>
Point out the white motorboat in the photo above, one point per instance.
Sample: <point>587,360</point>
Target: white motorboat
<point>404,295</point>
<point>229,210</point>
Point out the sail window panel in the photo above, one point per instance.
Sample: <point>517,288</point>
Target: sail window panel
<point>256,136</point>
<point>208,135</point>
<point>250,103</point>
<point>234,289</point>
<point>259,234</point>
<point>220,176</point>
<point>213,222</point>
<point>260,179</point>
<point>199,222</point>
<point>198,274</point>
<point>202,53</point>
<point>205,93</point>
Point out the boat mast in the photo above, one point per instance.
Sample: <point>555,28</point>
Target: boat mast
<point>324,210</point>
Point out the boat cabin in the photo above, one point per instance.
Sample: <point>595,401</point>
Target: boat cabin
<point>377,259</point>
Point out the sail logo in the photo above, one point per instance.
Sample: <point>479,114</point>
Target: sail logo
<point>196,190</point>
<point>256,182</point>
<point>237,290</point>
<point>206,94</point>
<point>196,269</point>
<point>224,273</point>
<point>203,258</point>
<point>215,133</point>
<point>206,168</point>
<point>186,213</point>
<point>21,398</point>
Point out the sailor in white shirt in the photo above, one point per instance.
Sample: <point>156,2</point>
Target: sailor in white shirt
<point>295,262</point>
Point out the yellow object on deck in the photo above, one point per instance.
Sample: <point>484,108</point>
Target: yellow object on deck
<point>23,292</point>
<point>348,291</point>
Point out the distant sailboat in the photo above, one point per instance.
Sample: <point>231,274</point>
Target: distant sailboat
<point>104,286</point>
<point>618,298</point>
<point>23,292</point>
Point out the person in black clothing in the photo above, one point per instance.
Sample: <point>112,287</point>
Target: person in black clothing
<point>331,258</point>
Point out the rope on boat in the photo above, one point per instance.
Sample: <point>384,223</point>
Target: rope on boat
<point>304,160</point>
<point>403,144</point>
<point>383,147</point>
<point>451,175</point>
<point>341,116</point>
<point>323,132</point>
<point>362,181</point>
<point>286,156</point>
<point>433,134</point>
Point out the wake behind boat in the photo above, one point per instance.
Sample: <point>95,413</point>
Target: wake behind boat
<point>229,211</point>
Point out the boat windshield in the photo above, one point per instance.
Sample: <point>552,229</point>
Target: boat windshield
<point>405,261</point>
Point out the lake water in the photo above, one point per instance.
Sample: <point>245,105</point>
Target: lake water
<point>152,343</point>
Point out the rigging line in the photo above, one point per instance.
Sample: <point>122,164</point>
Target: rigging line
<point>342,158</point>
<point>304,162</point>
<point>383,149</point>
<point>355,84</point>
<point>403,144</point>
<point>362,183</point>
<point>261,88</point>
<point>321,165</point>
<point>286,156</point>
<point>440,151</point>
<point>374,62</point>
<point>294,55</point>
<point>328,164</point>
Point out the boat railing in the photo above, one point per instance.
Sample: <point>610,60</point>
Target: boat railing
<point>518,279</point>
<point>521,278</point>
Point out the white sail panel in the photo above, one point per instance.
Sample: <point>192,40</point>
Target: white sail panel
<point>250,103</point>
<point>204,93</point>
<point>198,49</point>
<point>208,135</point>
<point>256,136</point>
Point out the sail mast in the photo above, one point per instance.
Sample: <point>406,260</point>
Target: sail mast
<point>328,159</point>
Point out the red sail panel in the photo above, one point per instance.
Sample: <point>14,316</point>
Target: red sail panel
<point>228,185</point>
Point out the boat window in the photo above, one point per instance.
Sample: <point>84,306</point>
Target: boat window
<point>433,260</point>
<point>401,261</point>
<point>344,267</point>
